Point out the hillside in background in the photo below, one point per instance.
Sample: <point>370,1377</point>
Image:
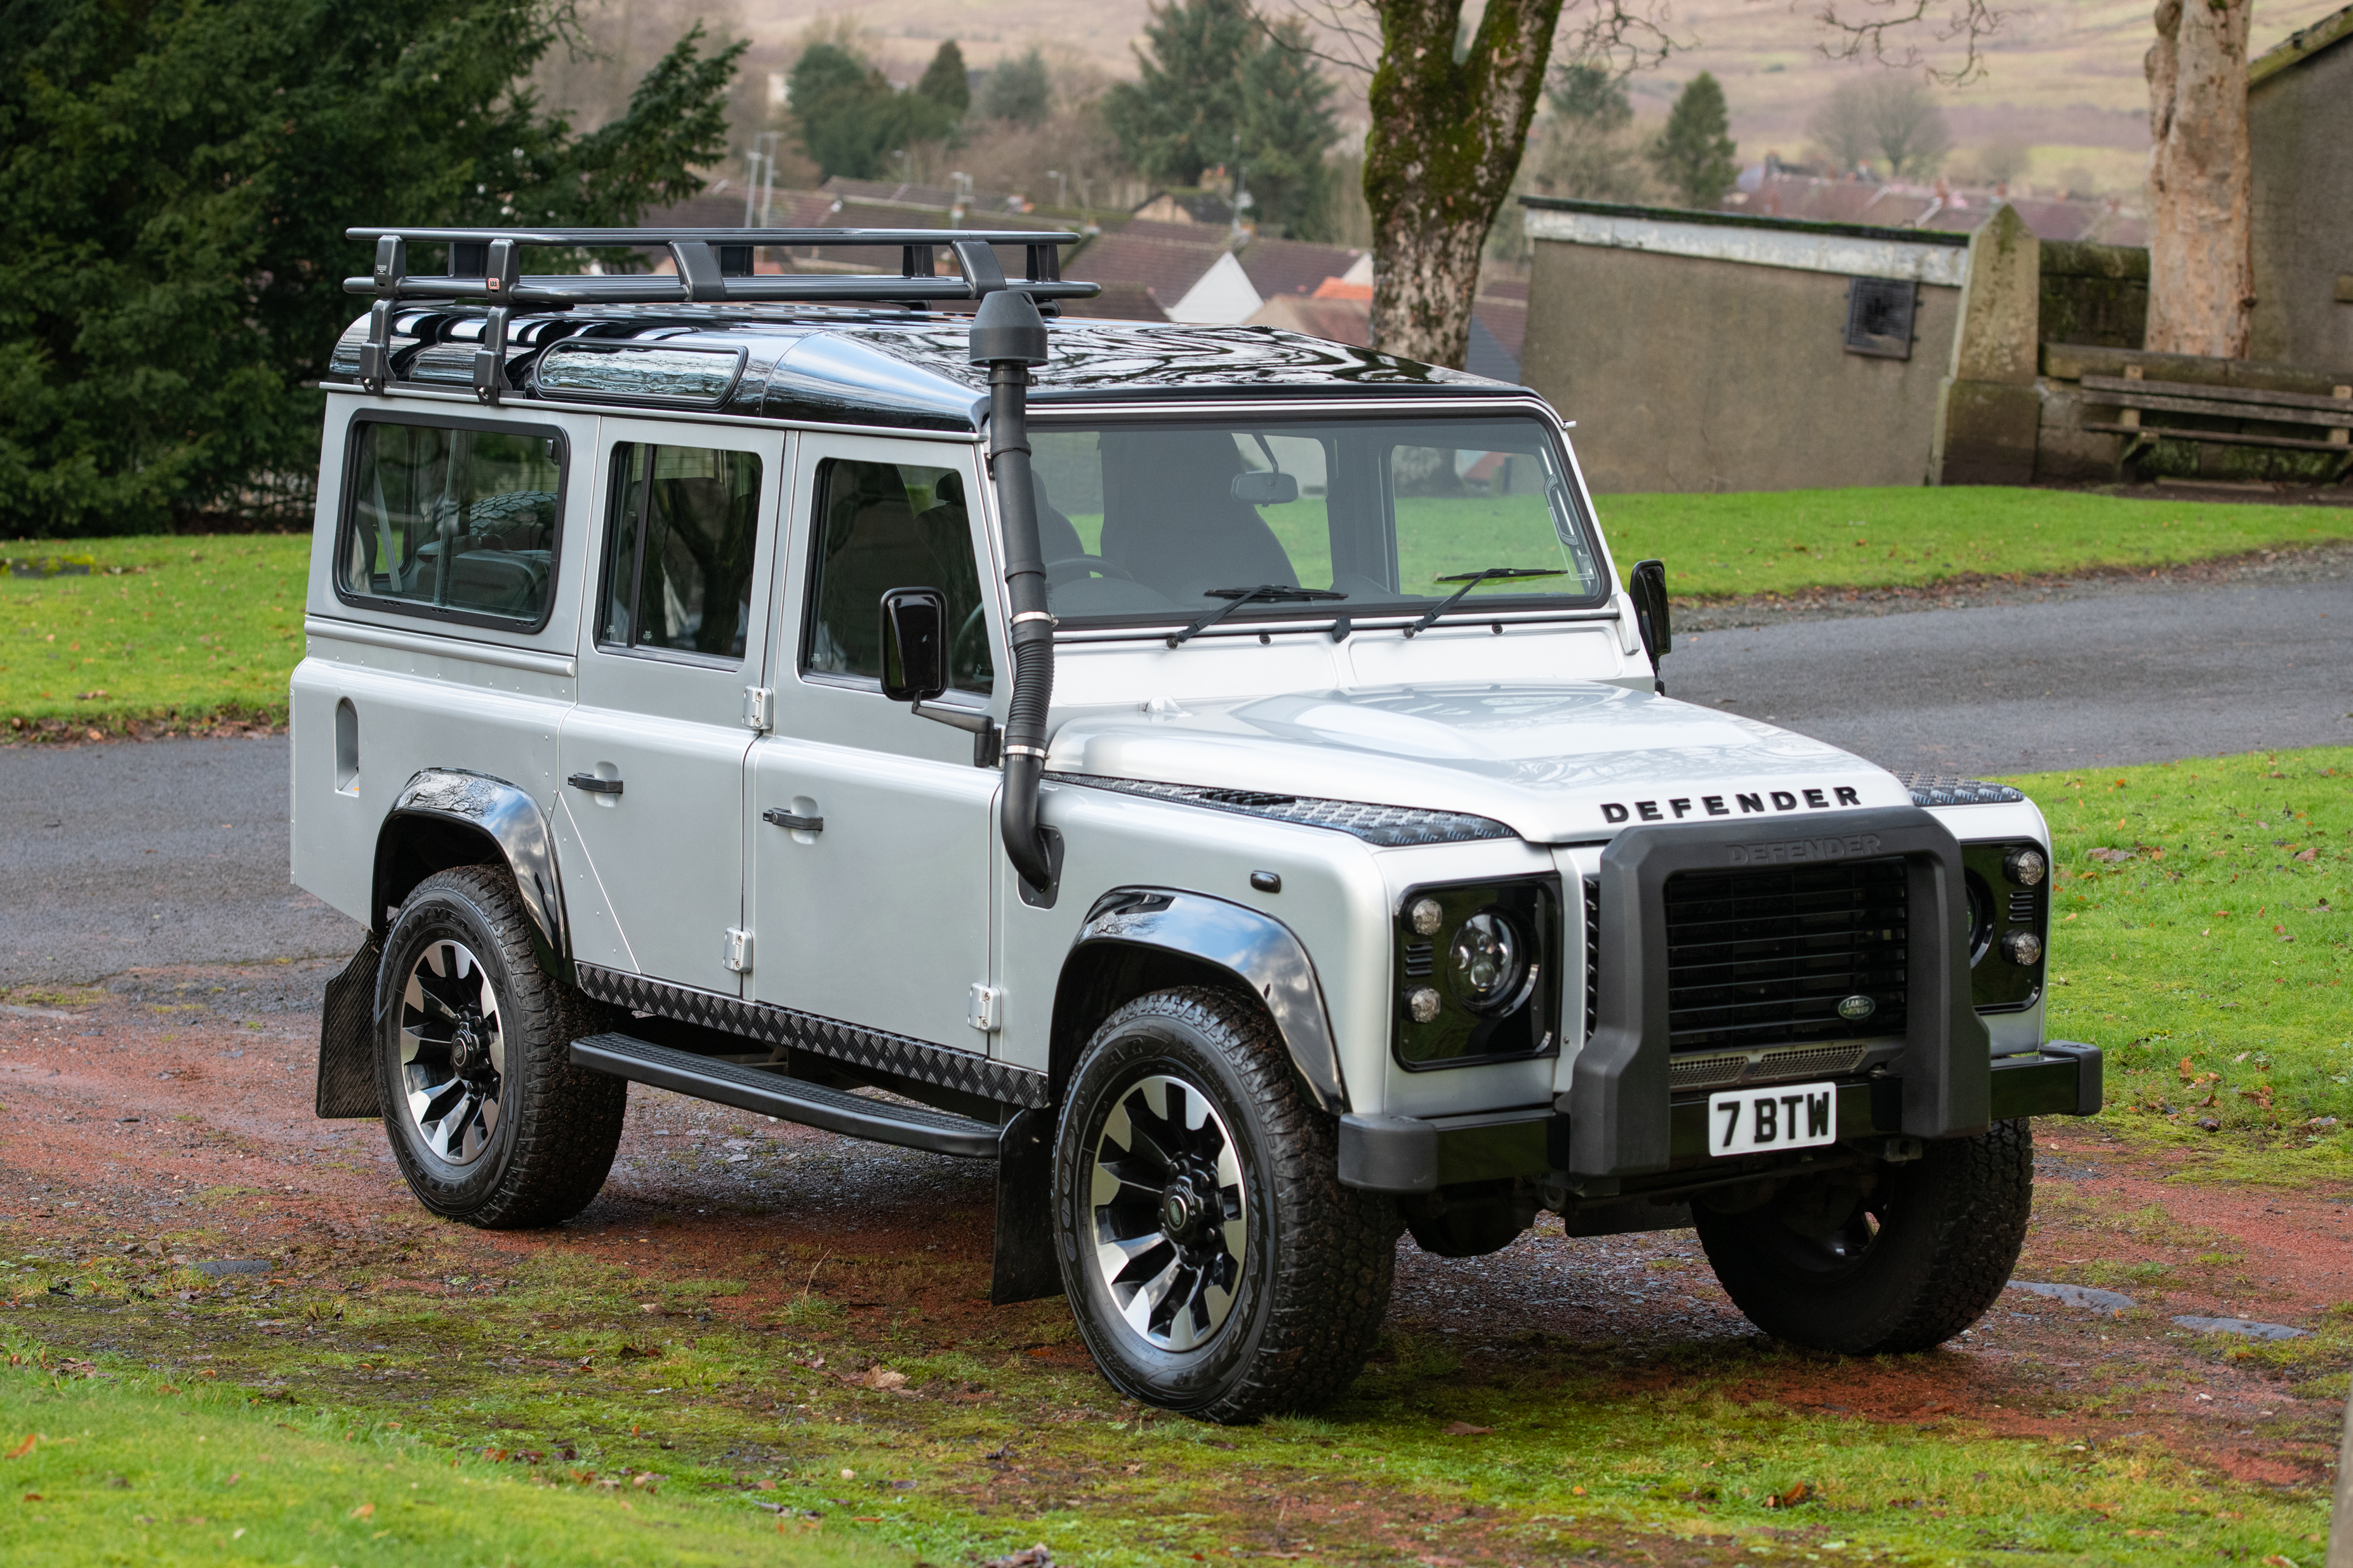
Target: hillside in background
<point>2065,76</point>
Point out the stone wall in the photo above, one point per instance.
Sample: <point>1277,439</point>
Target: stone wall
<point>2094,294</point>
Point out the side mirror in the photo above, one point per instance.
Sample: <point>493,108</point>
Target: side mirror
<point>1647,586</point>
<point>1266,487</point>
<point>914,644</point>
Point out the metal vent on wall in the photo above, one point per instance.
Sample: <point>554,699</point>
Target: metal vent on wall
<point>1879,316</point>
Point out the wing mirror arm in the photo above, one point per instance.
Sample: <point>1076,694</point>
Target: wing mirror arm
<point>1646,585</point>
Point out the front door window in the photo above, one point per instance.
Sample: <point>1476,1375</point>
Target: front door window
<point>882,526</point>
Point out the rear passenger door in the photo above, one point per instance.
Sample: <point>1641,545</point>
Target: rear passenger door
<point>880,917</point>
<point>652,756</point>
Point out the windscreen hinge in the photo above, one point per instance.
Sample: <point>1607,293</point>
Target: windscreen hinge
<point>756,701</point>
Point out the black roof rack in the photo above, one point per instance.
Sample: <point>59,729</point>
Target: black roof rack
<point>709,266</point>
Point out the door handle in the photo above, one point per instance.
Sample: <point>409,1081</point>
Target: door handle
<point>786,820</point>
<point>594,784</point>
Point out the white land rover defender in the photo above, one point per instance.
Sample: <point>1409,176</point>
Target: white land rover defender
<point>1214,774</point>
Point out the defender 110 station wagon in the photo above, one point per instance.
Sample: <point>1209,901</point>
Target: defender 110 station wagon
<point>1212,772</point>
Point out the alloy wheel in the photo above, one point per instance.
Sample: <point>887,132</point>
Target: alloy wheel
<point>1171,1213</point>
<point>452,1052</point>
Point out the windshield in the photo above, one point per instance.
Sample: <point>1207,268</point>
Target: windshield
<point>1165,521</point>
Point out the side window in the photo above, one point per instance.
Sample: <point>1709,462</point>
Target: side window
<point>678,550</point>
<point>881,526</point>
<point>454,520</point>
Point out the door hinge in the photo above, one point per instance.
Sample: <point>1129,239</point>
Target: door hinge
<point>986,1010</point>
<point>756,706</point>
<point>737,957</point>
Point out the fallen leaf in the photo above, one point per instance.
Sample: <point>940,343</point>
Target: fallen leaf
<point>881,1377</point>
<point>365,1510</point>
<point>25,1447</point>
<point>1464,1429</point>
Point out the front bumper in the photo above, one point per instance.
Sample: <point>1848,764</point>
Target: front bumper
<point>1406,1155</point>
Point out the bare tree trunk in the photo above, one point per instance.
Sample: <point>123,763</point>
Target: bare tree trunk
<point>2200,263</point>
<point>1445,141</point>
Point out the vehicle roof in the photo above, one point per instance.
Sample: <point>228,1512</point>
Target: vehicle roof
<point>904,368</point>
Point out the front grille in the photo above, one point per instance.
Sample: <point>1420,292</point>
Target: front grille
<point>1765,957</point>
<point>1592,954</point>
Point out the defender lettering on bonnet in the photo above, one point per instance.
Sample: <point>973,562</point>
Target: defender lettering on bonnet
<point>1714,805</point>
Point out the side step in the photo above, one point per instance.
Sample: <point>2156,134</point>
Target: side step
<point>786,1099</point>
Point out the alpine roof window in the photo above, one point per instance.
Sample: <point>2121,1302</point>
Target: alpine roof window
<point>453,520</point>
<point>1151,520</point>
<point>680,549</point>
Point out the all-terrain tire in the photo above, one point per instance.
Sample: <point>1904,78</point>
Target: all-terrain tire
<point>1949,1227</point>
<point>1312,1283</point>
<point>535,1145</point>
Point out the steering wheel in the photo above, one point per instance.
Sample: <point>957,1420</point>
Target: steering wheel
<point>1079,568</point>
<point>972,623</point>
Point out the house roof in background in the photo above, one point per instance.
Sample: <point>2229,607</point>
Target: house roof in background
<point>1164,266</point>
<point>1294,266</point>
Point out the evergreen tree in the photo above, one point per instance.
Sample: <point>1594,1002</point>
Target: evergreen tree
<point>851,118</point>
<point>176,178</point>
<point>1215,89</point>
<point>1020,90</point>
<point>945,80</point>
<point>1694,154</point>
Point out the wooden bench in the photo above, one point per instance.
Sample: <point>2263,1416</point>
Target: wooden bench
<point>2330,419</point>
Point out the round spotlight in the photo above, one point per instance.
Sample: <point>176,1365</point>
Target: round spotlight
<point>1421,1005</point>
<point>1487,960</point>
<point>2026,868</point>
<point>1424,916</point>
<point>2022,948</point>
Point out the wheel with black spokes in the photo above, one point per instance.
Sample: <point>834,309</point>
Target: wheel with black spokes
<point>1213,1261</point>
<point>488,1120</point>
<point>1881,1257</point>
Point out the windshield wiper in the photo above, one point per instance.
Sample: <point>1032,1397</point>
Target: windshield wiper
<point>1470,580</point>
<point>1235,598</point>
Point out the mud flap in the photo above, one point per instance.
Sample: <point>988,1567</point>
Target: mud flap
<point>347,1037</point>
<point>1024,1268</point>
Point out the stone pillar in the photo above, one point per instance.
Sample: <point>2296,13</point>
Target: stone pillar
<point>1988,410</point>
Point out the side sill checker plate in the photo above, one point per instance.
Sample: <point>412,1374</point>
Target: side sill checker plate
<point>774,1025</point>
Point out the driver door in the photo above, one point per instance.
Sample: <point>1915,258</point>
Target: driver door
<point>881,917</point>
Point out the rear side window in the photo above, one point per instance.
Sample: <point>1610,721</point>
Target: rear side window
<point>459,521</point>
<point>881,526</point>
<point>680,550</point>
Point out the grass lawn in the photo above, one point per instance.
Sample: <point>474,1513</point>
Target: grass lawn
<point>179,630</point>
<point>1786,541</point>
<point>1551,1453</point>
<point>2202,913</point>
<point>135,1468</point>
<point>187,628</point>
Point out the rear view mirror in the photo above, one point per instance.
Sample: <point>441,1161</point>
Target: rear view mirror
<point>1266,489</point>
<point>1647,586</point>
<point>914,644</point>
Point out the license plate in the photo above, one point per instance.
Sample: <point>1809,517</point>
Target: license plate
<point>1755,1120</point>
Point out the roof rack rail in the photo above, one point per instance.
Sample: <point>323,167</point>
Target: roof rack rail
<point>709,265</point>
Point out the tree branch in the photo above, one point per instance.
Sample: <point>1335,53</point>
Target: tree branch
<point>1859,29</point>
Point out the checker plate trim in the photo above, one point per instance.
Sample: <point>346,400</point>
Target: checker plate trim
<point>774,1025</point>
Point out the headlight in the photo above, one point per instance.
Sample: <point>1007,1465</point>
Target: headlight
<point>2022,948</point>
<point>1472,967</point>
<point>2025,866</point>
<point>1486,961</point>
